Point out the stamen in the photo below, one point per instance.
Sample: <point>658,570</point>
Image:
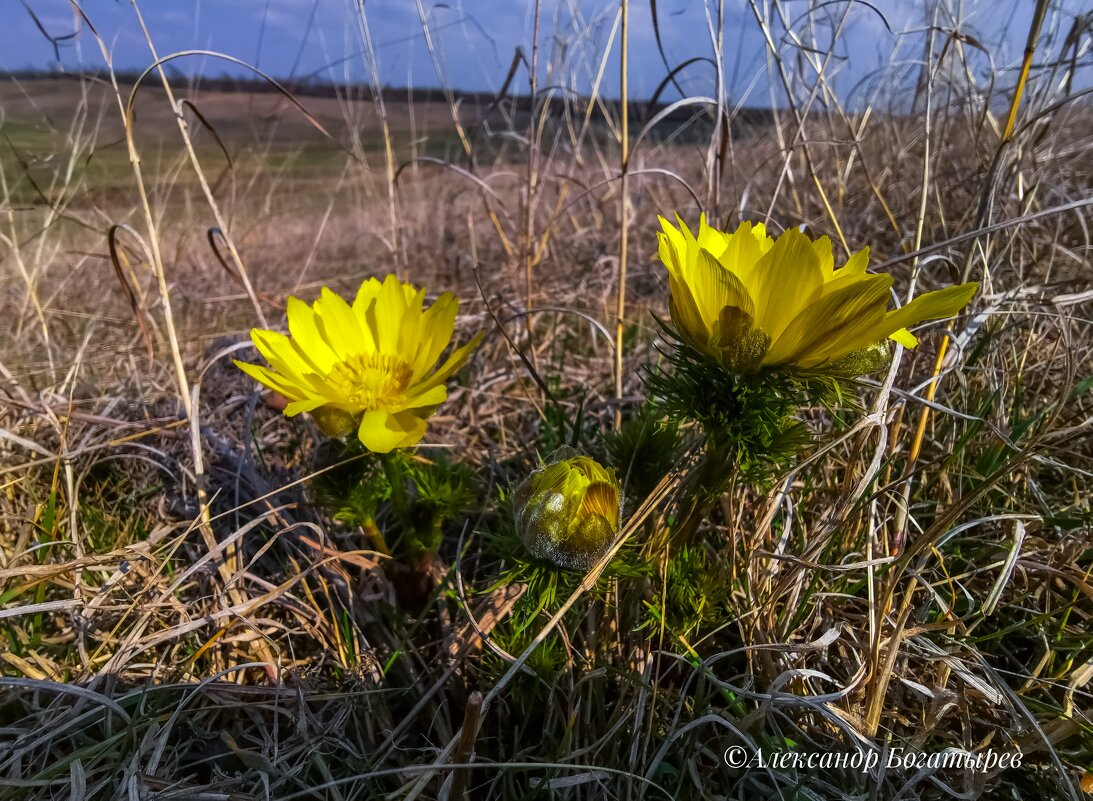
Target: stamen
<point>372,380</point>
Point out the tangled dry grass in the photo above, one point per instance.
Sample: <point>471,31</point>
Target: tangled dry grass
<point>181,619</point>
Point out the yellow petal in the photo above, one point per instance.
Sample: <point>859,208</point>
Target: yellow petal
<point>602,499</point>
<point>931,306</point>
<point>759,231</point>
<point>411,329</point>
<point>362,307</point>
<point>339,326</point>
<point>550,478</point>
<point>711,239</point>
<point>787,279</point>
<point>673,245</point>
<point>855,265</point>
<point>576,482</point>
<point>904,337</point>
<point>307,405</point>
<point>366,295</point>
<point>437,326</point>
<point>283,357</point>
<point>385,315</point>
<point>689,250</point>
<point>382,432</point>
<point>306,336</point>
<point>454,361</point>
<point>850,273</point>
<point>833,325</point>
<point>428,399</point>
<point>841,282</point>
<point>715,288</point>
<point>742,252</point>
<point>825,255</point>
<point>686,316</point>
<point>270,380</point>
<point>669,255</point>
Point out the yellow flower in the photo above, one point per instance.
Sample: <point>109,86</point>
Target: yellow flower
<point>568,512</point>
<point>750,301</point>
<point>371,366</point>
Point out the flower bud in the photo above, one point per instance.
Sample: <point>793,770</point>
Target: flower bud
<point>567,512</point>
<point>335,422</point>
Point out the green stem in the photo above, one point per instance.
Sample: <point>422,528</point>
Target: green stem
<point>376,537</point>
<point>708,484</point>
<point>397,479</point>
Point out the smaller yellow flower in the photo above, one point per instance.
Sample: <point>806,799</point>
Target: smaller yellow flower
<point>567,512</point>
<point>370,366</point>
<point>750,301</point>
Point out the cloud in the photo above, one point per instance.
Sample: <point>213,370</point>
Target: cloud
<point>476,38</point>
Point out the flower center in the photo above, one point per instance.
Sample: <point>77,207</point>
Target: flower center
<point>372,380</point>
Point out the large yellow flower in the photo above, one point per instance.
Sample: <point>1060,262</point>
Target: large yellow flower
<point>568,512</point>
<point>750,301</point>
<point>371,366</point>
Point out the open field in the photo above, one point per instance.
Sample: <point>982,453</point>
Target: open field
<point>193,605</point>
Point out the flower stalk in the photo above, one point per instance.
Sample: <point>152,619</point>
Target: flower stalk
<point>759,325</point>
<point>375,536</point>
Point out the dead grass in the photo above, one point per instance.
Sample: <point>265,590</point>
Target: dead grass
<point>181,619</point>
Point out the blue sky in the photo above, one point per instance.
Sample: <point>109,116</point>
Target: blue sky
<point>476,39</point>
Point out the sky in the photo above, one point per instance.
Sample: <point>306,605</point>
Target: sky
<point>474,40</point>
